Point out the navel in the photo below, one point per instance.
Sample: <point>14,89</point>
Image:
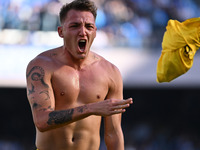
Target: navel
<point>73,139</point>
<point>62,94</point>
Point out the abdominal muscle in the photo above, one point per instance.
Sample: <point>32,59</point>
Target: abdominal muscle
<point>80,135</point>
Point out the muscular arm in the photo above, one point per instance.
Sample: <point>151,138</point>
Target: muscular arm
<point>114,138</point>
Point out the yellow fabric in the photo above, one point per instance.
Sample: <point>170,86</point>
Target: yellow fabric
<point>180,43</point>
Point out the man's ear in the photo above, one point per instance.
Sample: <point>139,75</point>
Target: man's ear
<point>60,31</point>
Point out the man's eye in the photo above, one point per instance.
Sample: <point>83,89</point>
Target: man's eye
<point>73,26</point>
<point>90,27</point>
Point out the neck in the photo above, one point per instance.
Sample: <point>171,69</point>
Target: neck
<point>75,63</point>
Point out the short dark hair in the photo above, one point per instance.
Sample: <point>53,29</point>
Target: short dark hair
<point>82,5</point>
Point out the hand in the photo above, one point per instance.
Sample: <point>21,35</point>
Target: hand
<point>110,106</point>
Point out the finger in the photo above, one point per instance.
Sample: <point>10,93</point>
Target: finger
<point>126,101</point>
<point>118,111</point>
<point>122,102</point>
<point>130,100</point>
<point>120,107</point>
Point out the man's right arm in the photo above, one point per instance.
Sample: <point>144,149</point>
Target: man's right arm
<point>42,101</point>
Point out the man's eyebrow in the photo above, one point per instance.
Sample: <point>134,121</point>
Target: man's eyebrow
<point>74,23</point>
<point>89,23</point>
<point>79,23</point>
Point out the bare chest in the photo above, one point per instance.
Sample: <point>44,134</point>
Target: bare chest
<point>73,88</point>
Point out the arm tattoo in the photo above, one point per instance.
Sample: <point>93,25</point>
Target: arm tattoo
<point>36,105</point>
<point>59,117</point>
<point>47,94</point>
<point>81,108</point>
<point>37,75</point>
<point>32,89</point>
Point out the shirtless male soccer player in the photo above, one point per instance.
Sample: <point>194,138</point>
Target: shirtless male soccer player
<point>69,88</point>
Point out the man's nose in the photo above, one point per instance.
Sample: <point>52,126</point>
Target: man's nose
<point>82,31</point>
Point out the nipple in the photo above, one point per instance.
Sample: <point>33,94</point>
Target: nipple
<point>98,96</point>
<point>62,93</point>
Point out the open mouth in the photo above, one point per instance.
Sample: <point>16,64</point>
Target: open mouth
<point>82,44</point>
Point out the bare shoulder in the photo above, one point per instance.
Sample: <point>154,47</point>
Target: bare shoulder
<point>43,60</point>
<point>106,64</point>
<point>108,67</point>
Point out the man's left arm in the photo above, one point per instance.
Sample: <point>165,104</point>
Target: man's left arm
<point>113,133</point>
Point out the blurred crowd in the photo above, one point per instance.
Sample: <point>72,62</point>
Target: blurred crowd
<point>144,136</point>
<point>126,23</point>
